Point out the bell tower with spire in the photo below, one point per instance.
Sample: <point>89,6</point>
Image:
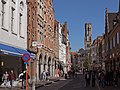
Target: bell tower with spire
<point>88,36</point>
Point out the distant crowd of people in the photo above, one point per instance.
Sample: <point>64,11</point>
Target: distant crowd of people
<point>73,73</point>
<point>102,77</point>
<point>108,78</point>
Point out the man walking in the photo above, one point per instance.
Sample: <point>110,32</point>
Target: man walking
<point>87,78</point>
<point>12,77</point>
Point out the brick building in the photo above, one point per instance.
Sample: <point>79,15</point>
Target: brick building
<point>112,40</point>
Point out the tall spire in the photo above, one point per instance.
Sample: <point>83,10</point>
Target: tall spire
<point>106,22</point>
<point>119,6</point>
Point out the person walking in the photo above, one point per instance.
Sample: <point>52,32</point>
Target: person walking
<point>115,78</point>
<point>12,78</point>
<point>102,78</point>
<point>93,79</point>
<point>87,78</point>
<point>43,75</point>
<point>24,79</point>
<point>5,78</point>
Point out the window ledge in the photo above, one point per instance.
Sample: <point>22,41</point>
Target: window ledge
<point>4,28</point>
<point>22,37</point>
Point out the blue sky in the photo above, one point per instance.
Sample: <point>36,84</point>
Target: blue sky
<point>78,12</point>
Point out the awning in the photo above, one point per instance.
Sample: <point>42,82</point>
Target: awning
<point>5,49</point>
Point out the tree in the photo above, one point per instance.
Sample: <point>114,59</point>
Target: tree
<point>85,63</point>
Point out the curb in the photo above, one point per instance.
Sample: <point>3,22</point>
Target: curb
<point>46,83</point>
<point>43,85</point>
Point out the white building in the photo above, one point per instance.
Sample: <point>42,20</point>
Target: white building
<point>13,23</point>
<point>13,34</point>
<point>62,48</point>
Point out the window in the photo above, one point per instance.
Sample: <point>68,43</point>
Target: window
<point>3,12</point>
<point>111,44</point>
<point>20,24</point>
<point>13,1</point>
<point>21,5</point>
<point>113,41</point>
<point>117,37</point>
<point>12,19</point>
<point>88,45</point>
<point>87,32</point>
<point>106,46</point>
<point>88,38</point>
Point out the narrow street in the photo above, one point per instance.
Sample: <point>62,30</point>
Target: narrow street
<point>74,84</point>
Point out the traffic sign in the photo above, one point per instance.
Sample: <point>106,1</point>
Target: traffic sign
<point>26,57</point>
<point>25,62</point>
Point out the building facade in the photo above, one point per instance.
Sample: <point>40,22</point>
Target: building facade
<point>62,48</point>
<point>13,35</point>
<point>45,39</point>
<point>56,45</point>
<point>81,58</point>
<point>96,53</point>
<point>112,39</point>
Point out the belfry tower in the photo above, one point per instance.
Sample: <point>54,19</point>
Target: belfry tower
<point>88,36</point>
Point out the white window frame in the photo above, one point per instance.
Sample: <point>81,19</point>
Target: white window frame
<point>12,19</point>
<point>3,13</point>
<point>20,24</point>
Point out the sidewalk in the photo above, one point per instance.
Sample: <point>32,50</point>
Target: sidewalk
<point>37,85</point>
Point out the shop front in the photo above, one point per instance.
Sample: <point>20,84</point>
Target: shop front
<point>11,59</point>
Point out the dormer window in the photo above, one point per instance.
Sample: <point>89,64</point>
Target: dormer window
<point>114,22</point>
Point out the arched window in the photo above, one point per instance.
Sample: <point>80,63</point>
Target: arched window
<point>21,5</point>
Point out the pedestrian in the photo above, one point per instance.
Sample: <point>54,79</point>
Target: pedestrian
<point>24,78</point>
<point>115,78</point>
<point>108,78</point>
<point>21,79</point>
<point>111,78</point>
<point>12,78</point>
<point>5,78</point>
<point>76,74</point>
<point>47,75</point>
<point>102,79</point>
<point>73,73</point>
<point>87,78</point>
<point>93,79</point>
<point>43,75</point>
<point>98,76</point>
<point>69,73</point>
<point>58,72</point>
